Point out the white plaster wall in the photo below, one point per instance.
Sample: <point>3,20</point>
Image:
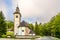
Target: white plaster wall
<point>20,30</point>
<point>23,28</point>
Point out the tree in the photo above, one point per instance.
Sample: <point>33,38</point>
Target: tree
<point>54,26</point>
<point>10,25</point>
<point>31,26</point>
<point>57,25</point>
<point>2,24</point>
<point>41,30</point>
<point>37,31</point>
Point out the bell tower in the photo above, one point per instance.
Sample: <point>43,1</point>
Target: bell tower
<point>17,19</point>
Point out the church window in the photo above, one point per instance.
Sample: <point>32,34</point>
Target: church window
<point>22,30</point>
<point>16,16</point>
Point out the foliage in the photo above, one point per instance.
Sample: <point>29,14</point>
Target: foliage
<point>10,25</point>
<point>10,34</point>
<point>37,30</point>
<point>52,28</point>
<point>2,24</point>
<point>31,26</point>
<point>55,26</point>
<point>4,36</point>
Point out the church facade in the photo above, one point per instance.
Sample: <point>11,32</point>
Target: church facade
<point>21,28</point>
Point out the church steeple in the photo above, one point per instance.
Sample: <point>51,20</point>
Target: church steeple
<point>17,20</point>
<point>17,9</point>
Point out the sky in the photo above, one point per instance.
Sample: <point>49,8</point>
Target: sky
<point>31,10</point>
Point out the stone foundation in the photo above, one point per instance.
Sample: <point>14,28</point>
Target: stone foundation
<point>25,37</point>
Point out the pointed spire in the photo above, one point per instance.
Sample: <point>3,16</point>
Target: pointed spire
<point>17,8</point>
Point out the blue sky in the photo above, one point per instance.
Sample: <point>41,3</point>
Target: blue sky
<point>31,10</point>
<point>9,9</point>
<point>8,3</point>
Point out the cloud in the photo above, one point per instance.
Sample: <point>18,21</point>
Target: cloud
<point>37,10</point>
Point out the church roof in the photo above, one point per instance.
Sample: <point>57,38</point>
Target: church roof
<point>23,24</point>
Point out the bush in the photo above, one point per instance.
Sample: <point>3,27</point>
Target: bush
<point>10,34</point>
<point>4,36</point>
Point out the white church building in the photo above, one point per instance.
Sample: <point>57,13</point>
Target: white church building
<point>21,28</point>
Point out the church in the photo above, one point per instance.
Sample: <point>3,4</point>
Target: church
<point>21,28</point>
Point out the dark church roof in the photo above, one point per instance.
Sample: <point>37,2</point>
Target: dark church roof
<point>23,24</point>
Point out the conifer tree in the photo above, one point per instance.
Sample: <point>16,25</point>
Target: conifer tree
<point>2,24</point>
<point>37,29</point>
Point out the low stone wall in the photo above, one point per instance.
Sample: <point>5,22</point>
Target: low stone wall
<point>25,37</point>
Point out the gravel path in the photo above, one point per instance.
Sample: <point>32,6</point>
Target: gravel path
<point>12,39</point>
<point>47,38</point>
<point>42,38</point>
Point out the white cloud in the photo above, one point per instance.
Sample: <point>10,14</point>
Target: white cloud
<point>42,10</point>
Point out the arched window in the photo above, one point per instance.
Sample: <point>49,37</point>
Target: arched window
<point>22,30</point>
<point>16,16</point>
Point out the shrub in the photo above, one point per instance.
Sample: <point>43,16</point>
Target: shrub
<point>4,36</point>
<point>10,34</point>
